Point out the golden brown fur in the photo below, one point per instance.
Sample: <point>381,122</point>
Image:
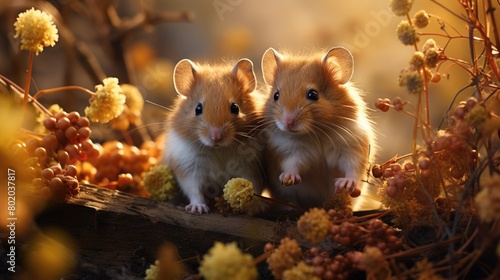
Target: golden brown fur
<point>318,145</point>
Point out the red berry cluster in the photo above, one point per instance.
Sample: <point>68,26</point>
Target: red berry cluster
<point>51,159</point>
<point>327,266</point>
<point>398,176</point>
<point>374,233</point>
<point>70,137</point>
<point>346,234</point>
<point>118,158</point>
<point>382,236</point>
<point>384,104</point>
<point>58,182</point>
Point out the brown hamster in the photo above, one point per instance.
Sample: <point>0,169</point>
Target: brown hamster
<point>322,139</point>
<point>209,136</point>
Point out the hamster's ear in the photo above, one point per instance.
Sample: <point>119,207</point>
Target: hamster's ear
<point>270,62</point>
<point>184,76</point>
<point>243,71</point>
<point>341,62</point>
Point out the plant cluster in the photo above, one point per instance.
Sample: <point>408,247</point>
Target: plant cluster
<point>443,196</point>
<point>59,152</point>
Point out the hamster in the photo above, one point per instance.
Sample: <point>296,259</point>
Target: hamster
<point>322,138</point>
<point>209,137</point>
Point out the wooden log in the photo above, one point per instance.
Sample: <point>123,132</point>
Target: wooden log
<point>110,226</point>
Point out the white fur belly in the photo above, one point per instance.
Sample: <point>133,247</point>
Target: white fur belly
<point>211,166</point>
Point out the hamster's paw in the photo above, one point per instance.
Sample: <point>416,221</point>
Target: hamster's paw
<point>197,208</point>
<point>345,183</point>
<point>289,178</point>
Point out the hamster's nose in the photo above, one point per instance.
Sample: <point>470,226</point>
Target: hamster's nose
<point>289,119</point>
<point>215,134</point>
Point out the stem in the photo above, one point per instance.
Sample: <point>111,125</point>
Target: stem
<point>448,36</point>
<point>285,203</point>
<point>263,257</point>
<point>28,81</point>
<point>11,86</point>
<point>415,127</point>
<point>52,90</point>
<point>447,24</point>
<point>409,21</point>
<point>449,10</point>
<point>490,11</point>
<point>426,93</point>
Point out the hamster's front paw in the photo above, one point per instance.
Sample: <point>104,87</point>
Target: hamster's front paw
<point>345,183</point>
<point>197,208</point>
<point>289,178</point>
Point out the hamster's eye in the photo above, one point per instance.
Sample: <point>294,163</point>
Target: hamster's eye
<point>312,95</point>
<point>276,95</point>
<point>235,109</point>
<point>199,109</point>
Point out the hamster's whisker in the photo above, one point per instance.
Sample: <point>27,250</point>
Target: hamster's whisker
<point>242,134</point>
<point>160,106</point>
<point>319,128</point>
<point>347,131</point>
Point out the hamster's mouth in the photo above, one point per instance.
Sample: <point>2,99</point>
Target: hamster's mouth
<point>206,141</point>
<point>294,129</point>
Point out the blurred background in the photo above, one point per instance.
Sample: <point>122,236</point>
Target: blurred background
<point>140,42</point>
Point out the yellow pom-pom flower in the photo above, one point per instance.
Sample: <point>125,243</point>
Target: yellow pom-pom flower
<point>107,103</point>
<point>417,60</point>
<point>407,33</point>
<point>414,82</point>
<point>227,262</point>
<point>421,19</point>
<point>36,30</point>
<point>400,7</point>
<point>374,263</point>
<point>133,108</point>
<point>285,257</point>
<point>238,192</point>
<point>160,183</point>
<point>488,200</point>
<point>152,272</point>
<point>301,271</point>
<point>314,225</point>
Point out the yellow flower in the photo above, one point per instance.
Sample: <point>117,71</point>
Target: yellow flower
<point>227,262</point>
<point>407,33</point>
<point>160,183</point>
<point>414,82</point>
<point>426,270</point>
<point>153,271</point>
<point>314,225</point>
<point>36,29</point>
<point>238,192</point>
<point>400,7</point>
<point>433,56</point>
<point>429,44</point>
<point>286,256</point>
<point>421,19</point>
<point>418,60</point>
<point>476,116</point>
<point>301,271</point>
<point>374,263</point>
<point>107,103</point>
<point>133,108</point>
<point>488,200</point>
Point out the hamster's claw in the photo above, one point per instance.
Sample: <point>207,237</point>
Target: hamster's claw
<point>288,179</point>
<point>345,183</point>
<point>197,208</point>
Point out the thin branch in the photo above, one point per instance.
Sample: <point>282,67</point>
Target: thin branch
<point>147,18</point>
<point>491,12</point>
